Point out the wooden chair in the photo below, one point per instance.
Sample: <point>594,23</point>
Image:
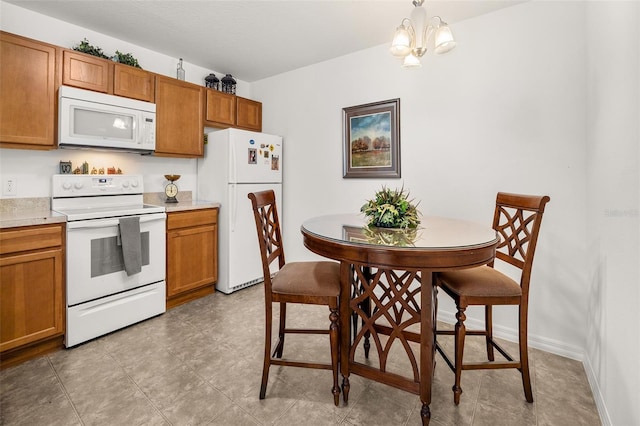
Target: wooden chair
<point>315,283</point>
<point>517,219</point>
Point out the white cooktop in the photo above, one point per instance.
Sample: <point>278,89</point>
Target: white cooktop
<point>82,197</point>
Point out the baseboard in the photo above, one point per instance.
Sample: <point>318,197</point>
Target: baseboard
<point>548,345</point>
<point>511,334</point>
<point>597,394</point>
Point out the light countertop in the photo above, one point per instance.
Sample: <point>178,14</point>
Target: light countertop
<point>30,218</point>
<point>188,205</point>
<point>36,211</point>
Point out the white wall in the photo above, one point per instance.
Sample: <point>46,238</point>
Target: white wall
<point>613,157</point>
<point>504,111</point>
<point>33,169</point>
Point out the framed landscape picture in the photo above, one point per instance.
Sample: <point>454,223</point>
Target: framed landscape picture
<point>371,146</point>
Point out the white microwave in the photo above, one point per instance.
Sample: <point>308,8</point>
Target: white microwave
<point>96,120</point>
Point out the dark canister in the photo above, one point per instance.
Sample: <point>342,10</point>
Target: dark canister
<point>212,82</point>
<point>229,84</point>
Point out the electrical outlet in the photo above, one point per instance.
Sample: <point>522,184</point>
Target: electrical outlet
<point>9,186</point>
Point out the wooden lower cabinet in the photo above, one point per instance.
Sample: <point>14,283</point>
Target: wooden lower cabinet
<point>192,255</point>
<point>32,303</point>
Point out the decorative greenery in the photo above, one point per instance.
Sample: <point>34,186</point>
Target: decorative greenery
<point>127,59</point>
<point>391,209</point>
<point>85,47</point>
<point>123,58</point>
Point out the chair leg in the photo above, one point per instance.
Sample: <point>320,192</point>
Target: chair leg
<point>366,307</point>
<point>460,332</point>
<point>488,324</point>
<point>277,353</point>
<point>334,338</point>
<point>267,348</point>
<point>345,389</point>
<point>524,355</point>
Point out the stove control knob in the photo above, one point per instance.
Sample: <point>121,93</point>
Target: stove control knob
<point>78,185</point>
<point>66,186</point>
<point>125,184</point>
<point>134,183</point>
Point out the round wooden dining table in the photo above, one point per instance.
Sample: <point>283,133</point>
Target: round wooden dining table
<point>388,297</point>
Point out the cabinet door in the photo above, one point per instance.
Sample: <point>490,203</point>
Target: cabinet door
<point>31,301</point>
<point>28,83</point>
<point>249,114</point>
<point>87,72</point>
<point>179,118</point>
<point>191,258</point>
<point>133,83</point>
<point>221,109</point>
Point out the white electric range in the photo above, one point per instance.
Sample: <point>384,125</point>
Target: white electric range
<point>115,251</point>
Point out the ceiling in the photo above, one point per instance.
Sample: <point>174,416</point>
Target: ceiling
<point>253,40</point>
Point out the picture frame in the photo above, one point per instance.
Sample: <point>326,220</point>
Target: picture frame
<point>371,140</point>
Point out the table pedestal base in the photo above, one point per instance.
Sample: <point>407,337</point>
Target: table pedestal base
<point>392,312</point>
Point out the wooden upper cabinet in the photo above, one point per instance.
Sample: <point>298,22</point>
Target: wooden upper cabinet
<point>102,75</point>
<point>29,78</point>
<point>179,118</point>
<point>133,83</point>
<point>226,110</point>
<point>87,72</point>
<point>248,114</point>
<point>220,109</point>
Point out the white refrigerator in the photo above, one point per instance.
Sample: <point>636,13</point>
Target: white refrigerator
<point>235,163</point>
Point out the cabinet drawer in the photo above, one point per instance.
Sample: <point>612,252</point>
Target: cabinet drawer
<point>177,220</point>
<point>31,238</point>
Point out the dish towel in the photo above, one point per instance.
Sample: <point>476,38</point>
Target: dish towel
<point>131,246</point>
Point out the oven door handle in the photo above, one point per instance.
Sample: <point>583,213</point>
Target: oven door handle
<point>105,223</point>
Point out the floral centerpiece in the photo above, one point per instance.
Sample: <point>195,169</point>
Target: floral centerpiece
<point>391,208</point>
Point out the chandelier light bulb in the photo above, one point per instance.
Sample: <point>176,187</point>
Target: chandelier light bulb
<point>411,38</point>
<point>444,41</point>
<point>401,45</point>
<point>411,61</point>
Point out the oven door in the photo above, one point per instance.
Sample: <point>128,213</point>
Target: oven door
<point>95,263</point>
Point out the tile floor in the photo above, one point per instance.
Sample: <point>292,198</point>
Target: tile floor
<point>200,364</point>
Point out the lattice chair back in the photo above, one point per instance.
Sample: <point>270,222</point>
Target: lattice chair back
<point>265,213</point>
<point>517,219</point>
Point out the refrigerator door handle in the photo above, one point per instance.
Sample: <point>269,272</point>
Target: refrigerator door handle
<point>233,189</point>
<point>233,170</point>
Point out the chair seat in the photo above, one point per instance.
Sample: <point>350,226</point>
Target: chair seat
<point>478,283</point>
<point>319,279</point>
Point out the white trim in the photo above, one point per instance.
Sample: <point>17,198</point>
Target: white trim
<point>605,419</point>
<point>511,334</point>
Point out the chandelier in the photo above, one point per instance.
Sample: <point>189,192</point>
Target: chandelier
<point>411,37</point>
